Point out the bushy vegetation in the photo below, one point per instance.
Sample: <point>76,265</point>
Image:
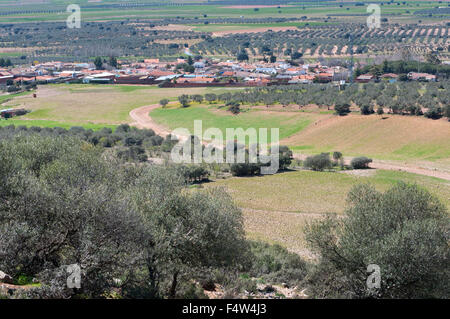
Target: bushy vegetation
<point>404,231</point>
<point>360,162</point>
<point>63,202</point>
<point>275,264</point>
<point>318,162</point>
<point>249,168</point>
<point>129,143</point>
<point>137,232</point>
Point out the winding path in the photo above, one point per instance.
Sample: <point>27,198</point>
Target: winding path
<point>142,119</point>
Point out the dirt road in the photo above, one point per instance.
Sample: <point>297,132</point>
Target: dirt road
<point>142,119</point>
<point>392,166</point>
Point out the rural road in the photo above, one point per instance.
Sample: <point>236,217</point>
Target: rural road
<point>142,119</point>
<point>391,166</point>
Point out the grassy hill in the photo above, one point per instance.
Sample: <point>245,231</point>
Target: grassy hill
<point>393,138</point>
<point>288,123</point>
<point>88,105</point>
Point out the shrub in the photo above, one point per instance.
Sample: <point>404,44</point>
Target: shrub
<point>184,100</point>
<point>318,162</point>
<point>164,102</point>
<point>276,264</point>
<point>234,107</point>
<point>380,111</point>
<point>404,231</point>
<point>245,169</point>
<point>342,109</point>
<point>434,113</point>
<point>366,109</point>
<point>285,158</point>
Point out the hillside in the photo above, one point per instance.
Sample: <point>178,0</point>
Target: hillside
<point>391,137</point>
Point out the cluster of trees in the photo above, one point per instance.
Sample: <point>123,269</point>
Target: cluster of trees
<point>132,38</point>
<point>5,63</point>
<point>403,67</point>
<point>104,39</point>
<point>102,64</point>
<point>403,231</point>
<point>330,40</point>
<point>324,161</point>
<point>136,233</point>
<point>129,143</point>
<point>249,167</point>
<point>406,98</point>
<point>127,227</point>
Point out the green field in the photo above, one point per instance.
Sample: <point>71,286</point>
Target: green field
<point>211,116</point>
<point>316,9</point>
<point>308,192</point>
<point>6,97</point>
<point>46,123</point>
<point>393,137</point>
<point>396,138</point>
<point>89,105</point>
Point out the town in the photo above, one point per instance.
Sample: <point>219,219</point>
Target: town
<point>189,72</point>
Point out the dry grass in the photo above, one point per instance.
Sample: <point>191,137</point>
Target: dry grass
<point>309,192</point>
<point>277,207</point>
<point>394,138</point>
<point>99,104</point>
<point>285,229</point>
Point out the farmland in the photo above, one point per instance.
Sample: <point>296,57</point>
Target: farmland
<point>393,138</point>
<point>307,131</point>
<point>276,208</point>
<point>93,176</point>
<point>315,31</point>
<point>105,11</point>
<point>88,105</point>
<point>288,123</point>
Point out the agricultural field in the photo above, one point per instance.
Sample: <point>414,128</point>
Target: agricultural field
<point>400,130</point>
<point>113,10</point>
<point>307,130</point>
<point>88,173</point>
<point>132,40</point>
<point>391,137</point>
<point>88,105</point>
<point>212,116</point>
<point>163,31</point>
<point>277,207</point>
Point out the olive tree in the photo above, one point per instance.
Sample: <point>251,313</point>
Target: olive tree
<point>405,231</point>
